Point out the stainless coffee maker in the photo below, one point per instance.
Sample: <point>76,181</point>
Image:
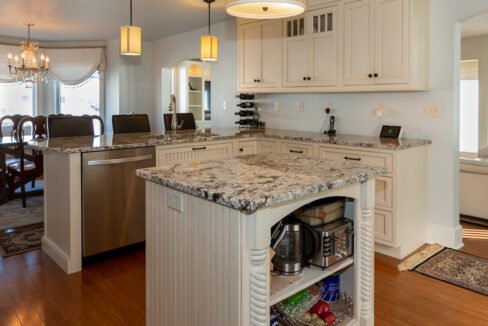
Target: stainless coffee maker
<point>294,244</point>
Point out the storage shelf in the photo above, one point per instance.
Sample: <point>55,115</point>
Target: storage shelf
<point>194,91</point>
<point>194,105</point>
<point>309,276</point>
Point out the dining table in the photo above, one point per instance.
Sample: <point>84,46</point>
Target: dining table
<point>7,145</point>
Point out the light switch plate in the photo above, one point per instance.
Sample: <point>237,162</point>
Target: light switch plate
<point>175,201</point>
<point>431,110</point>
<point>277,106</point>
<point>300,106</point>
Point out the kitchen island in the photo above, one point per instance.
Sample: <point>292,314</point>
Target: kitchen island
<point>208,233</point>
<point>63,175</point>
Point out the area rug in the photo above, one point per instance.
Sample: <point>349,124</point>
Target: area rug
<point>20,240</point>
<point>457,268</point>
<point>12,214</point>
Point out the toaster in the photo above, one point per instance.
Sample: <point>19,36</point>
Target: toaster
<point>335,242</point>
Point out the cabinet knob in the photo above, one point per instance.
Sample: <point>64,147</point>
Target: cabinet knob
<point>370,75</point>
<point>241,149</point>
<point>304,78</point>
<point>309,78</point>
<point>376,75</point>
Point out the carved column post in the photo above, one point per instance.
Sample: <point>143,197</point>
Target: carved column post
<point>367,253</point>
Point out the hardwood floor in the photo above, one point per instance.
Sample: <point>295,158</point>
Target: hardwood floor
<point>34,291</point>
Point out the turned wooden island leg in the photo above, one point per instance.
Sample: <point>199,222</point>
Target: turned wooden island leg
<point>367,252</point>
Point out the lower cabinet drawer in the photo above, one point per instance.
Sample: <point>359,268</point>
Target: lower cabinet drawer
<point>246,148</point>
<point>384,228</point>
<point>296,148</point>
<point>197,151</point>
<point>384,192</point>
<point>369,158</point>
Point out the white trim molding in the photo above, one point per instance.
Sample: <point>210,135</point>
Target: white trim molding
<point>451,237</point>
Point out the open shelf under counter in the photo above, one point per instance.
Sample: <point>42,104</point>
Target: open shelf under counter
<point>308,277</point>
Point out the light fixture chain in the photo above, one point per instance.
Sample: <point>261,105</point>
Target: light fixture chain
<point>130,12</point>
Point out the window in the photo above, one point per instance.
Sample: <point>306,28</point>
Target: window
<point>469,107</point>
<point>17,98</point>
<point>80,99</point>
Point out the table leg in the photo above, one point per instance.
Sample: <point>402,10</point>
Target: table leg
<point>3,178</point>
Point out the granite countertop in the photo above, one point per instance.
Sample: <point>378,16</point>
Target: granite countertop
<point>122,141</point>
<point>251,182</point>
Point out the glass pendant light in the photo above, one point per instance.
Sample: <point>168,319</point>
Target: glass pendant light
<point>130,38</point>
<point>268,9</point>
<point>209,44</point>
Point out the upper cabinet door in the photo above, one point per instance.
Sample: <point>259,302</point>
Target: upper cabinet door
<point>259,51</point>
<point>270,54</point>
<point>358,43</point>
<point>295,68</point>
<point>250,54</point>
<point>392,41</point>
<point>322,46</point>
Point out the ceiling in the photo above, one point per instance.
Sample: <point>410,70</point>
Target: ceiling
<point>92,20</point>
<point>476,26</point>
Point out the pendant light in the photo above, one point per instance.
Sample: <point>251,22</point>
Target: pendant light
<point>130,38</point>
<point>268,9</point>
<point>209,44</point>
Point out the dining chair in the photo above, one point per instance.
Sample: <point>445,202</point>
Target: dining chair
<point>130,123</point>
<point>71,126</point>
<point>186,120</point>
<point>30,164</point>
<point>14,123</point>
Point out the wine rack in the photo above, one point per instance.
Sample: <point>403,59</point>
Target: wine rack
<point>247,112</point>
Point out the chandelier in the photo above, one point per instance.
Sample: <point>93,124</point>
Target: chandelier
<point>28,68</point>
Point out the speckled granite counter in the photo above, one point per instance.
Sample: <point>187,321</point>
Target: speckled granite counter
<point>250,182</point>
<point>122,141</point>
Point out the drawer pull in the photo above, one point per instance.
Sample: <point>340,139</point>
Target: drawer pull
<point>199,148</point>
<point>296,152</point>
<point>352,158</point>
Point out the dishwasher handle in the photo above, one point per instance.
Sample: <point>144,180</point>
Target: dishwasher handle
<point>120,160</point>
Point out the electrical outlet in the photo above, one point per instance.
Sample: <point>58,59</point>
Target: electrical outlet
<point>431,110</point>
<point>175,201</point>
<point>300,106</point>
<point>224,106</point>
<point>277,106</point>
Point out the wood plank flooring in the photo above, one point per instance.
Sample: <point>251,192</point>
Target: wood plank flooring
<point>34,291</point>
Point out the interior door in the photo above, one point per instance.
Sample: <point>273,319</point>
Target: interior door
<point>251,54</point>
<point>295,66</point>
<point>322,47</point>
<point>391,41</point>
<point>358,43</point>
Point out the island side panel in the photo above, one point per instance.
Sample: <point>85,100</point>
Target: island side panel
<point>62,210</point>
<point>193,274</point>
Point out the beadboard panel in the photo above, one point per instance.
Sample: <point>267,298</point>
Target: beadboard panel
<point>202,243</point>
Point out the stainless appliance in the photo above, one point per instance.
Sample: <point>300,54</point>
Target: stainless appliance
<point>335,242</point>
<point>294,244</point>
<point>113,198</point>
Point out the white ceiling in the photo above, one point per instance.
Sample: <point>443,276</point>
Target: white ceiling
<point>91,20</point>
<point>476,26</point>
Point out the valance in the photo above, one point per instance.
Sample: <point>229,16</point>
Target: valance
<point>69,66</point>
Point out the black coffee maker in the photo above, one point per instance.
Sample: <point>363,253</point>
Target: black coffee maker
<point>294,243</point>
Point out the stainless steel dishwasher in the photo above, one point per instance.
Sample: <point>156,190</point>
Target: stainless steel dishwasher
<point>114,206</point>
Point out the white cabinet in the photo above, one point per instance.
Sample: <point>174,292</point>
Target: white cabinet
<point>310,48</point>
<point>297,148</point>
<point>196,151</point>
<point>385,43</point>
<point>259,54</point>
<point>246,147</point>
<point>268,146</point>
<point>401,210</point>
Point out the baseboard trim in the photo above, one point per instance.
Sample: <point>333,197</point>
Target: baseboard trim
<point>58,255</point>
<point>451,237</point>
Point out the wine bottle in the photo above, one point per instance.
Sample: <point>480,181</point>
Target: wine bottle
<point>245,113</point>
<point>246,105</point>
<point>244,122</point>
<point>245,96</point>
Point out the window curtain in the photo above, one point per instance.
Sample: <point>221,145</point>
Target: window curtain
<point>68,66</point>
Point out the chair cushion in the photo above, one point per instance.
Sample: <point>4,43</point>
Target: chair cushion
<point>28,166</point>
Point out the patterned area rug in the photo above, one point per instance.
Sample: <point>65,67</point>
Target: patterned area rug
<point>17,241</point>
<point>458,268</point>
<point>13,215</point>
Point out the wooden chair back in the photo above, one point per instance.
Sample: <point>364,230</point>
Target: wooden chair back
<point>130,123</point>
